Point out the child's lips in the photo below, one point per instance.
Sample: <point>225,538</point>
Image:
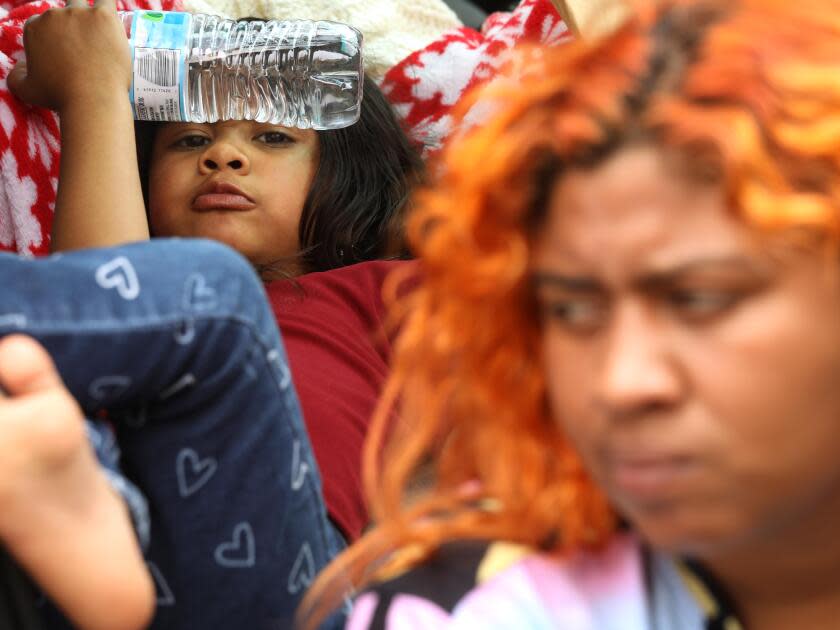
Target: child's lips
<point>222,201</point>
<point>222,195</point>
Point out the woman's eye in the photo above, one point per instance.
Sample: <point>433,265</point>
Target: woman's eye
<point>191,142</point>
<point>275,138</point>
<point>576,315</point>
<point>702,303</point>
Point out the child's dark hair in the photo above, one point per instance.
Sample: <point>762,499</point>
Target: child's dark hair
<point>355,206</point>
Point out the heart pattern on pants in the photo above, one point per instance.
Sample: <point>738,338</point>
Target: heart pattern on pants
<point>299,467</point>
<point>198,295</point>
<point>165,596</point>
<point>107,389</point>
<point>192,471</point>
<point>303,571</point>
<point>240,552</point>
<point>119,274</point>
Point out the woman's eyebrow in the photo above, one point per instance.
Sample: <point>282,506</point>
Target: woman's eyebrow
<point>579,284</point>
<point>652,280</point>
<point>715,264</point>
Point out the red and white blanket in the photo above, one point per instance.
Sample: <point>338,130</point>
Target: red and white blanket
<point>423,88</point>
<point>426,85</point>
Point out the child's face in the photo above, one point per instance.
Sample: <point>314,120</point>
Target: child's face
<point>694,365</point>
<point>239,182</point>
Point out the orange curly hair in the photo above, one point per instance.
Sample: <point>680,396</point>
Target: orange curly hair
<point>463,444</point>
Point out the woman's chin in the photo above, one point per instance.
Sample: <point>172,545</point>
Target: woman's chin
<point>692,534</point>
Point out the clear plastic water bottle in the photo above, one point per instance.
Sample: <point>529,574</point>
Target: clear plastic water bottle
<point>204,68</point>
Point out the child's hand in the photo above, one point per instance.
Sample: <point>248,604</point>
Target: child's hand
<point>78,63</point>
<point>74,56</point>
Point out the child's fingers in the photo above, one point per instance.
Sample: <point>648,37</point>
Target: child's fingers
<point>25,367</point>
<point>17,81</point>
<point>106,4</point>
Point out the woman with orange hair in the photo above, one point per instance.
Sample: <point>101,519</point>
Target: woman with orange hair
<point>624,354</point>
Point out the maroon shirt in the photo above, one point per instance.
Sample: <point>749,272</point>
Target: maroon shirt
<point>333,329</point>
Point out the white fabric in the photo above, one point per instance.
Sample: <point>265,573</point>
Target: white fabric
<point>593,18</point>
<point>672,606</point>
<point>393,29</point>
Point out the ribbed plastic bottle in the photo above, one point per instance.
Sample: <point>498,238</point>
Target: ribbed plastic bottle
<point>204,68</point>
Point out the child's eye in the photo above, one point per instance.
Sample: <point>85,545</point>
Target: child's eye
<point>275,138</point>
<point>194,141</point>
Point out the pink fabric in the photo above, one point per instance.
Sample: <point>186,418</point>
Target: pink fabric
<point>613,578</point>
<point>408,612</point>
<point>588,591</point>
<point>363,610</point>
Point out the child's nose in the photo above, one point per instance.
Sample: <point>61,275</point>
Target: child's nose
<point>234,164</point>
<point>220,156</point>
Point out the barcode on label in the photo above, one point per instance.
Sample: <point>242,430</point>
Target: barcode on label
<point>157,66</point>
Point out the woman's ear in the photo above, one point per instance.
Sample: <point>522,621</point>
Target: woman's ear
<point>592,18</point>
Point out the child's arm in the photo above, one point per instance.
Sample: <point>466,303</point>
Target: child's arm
<point>59,516</point>
<point>77,63</point>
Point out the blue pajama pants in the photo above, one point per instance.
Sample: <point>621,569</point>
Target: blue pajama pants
<point>174,340</point>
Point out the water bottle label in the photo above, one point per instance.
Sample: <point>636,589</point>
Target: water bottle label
<point>159,46</point>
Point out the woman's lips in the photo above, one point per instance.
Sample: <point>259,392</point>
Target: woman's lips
<point>651,478</point>
<point>222,201</point>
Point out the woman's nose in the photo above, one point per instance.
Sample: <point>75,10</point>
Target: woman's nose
<point>639,373</point>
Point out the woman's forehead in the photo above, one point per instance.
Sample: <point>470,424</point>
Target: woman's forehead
<point>633,206</point>
<point>633,218</point>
